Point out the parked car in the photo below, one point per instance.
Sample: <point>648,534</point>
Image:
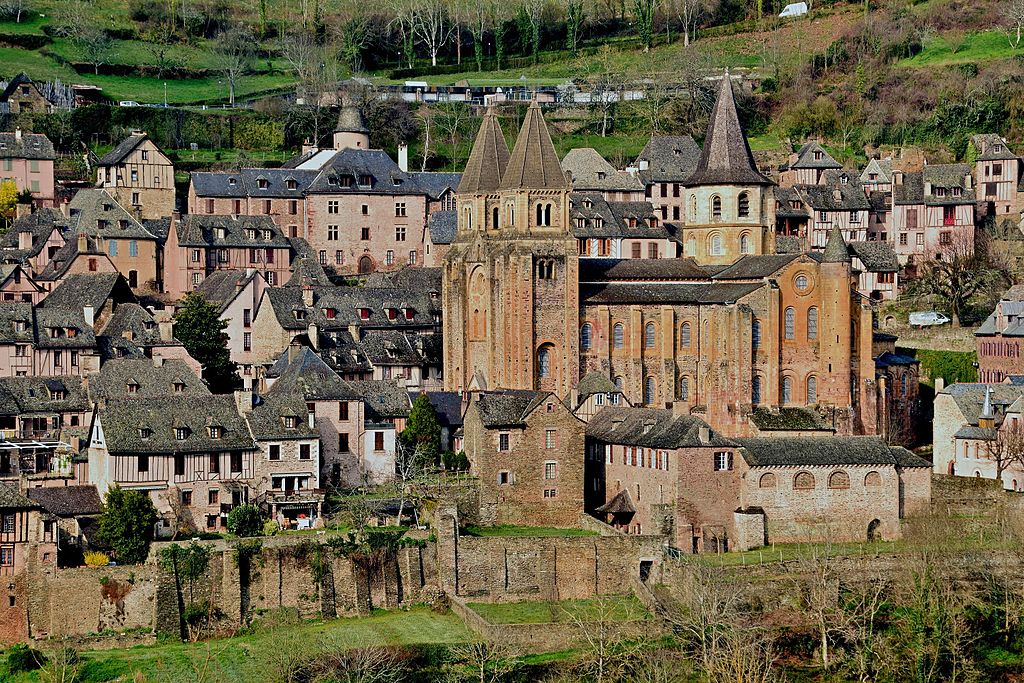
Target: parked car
<point>128,103</point>
<point>928,318</point>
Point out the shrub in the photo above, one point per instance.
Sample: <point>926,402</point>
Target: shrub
<point>127,524</point>
<point>270,528</point>
<point>96,559</point>
<point>21,658</point>
<point>245,520</point>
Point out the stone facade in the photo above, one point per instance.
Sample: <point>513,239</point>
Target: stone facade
<point>139,176</point>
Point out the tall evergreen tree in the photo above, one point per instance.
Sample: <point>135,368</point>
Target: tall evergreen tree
<point>422,433</point>
<point>127,524</point>
<point>198,326</point>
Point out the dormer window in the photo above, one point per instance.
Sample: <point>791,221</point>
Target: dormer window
<point>940,192</point>
<point>392,314</point>
<point>219,233</point>
<point>956,191</point>
<point>20,325</point>
<point>181,433</point>
<point>631,222</point>
<point>250,234</point>
<point>364,313</point>
<point>132,388</point>
<point>652,221</point>
<point>291,184</point>
<point>329,313</point>
<point>267,235</point>
<point>331,180</point>
<point>365,180</point>
<point>102,224</point>
<point>598,222</point>
<point>409,313</point>
<point>108,207</point>
<point>291,422</point>
<point>71,331</point>
<point>178,387</point>
<point>299,313</point>
<point>997,148</point>
<point>216,432</point>
<point>818,156</point>
<point>261,183</point>
<point>844,179</point>
<point>57,395</point>
<point>587,204</point>
<point>601,175</point>
<point>145,432</point>
<point>232,182</point>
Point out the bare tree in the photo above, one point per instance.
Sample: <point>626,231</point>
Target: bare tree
<point>404,18</point>
<point>575,15</point>
<point>608,644</point>
<point>371,664</point>
<point>862,629</point>
<point>451,119</point>
<point>817,579</point>
<point>707,603</point>
<point>490,661</point>
<point>432,26</point>
<point>14,8</point>
<point>233,56</point>
<point>351,26</point>
<point>533,10</point>
<point>743,655</point>
<point>1006,447</point>
<point>955,273</point>
<point>62,666</point>
<point>1013,13</point>
<point>605,85</point>
<point>690,13</point>
<point>94,43</point>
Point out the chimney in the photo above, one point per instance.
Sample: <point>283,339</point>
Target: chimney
<point>307,295</point>
<point>403,157</point>
<point>353,330</point>
<point>83,243</point>
<point>704,434</point>
<point>89,313</point>
<point>968,181</point>
<point>22,209</point>
<point>25,239</point>
<point>927,188</point>
<point>644,164</point>
<point>158,361</point>
<point>313,332</point>
<point>897,177</point>
<point>166,329</point>
<point>243,401</point>
<point>293,352</point>
<point>17,133</point>
<point>940,384</point>
<point>76,443</point>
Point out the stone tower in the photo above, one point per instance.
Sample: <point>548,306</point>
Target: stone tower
<point>510,279</point>
<point>351,131</point>
<point>730,206</point>
<point>836,338</point>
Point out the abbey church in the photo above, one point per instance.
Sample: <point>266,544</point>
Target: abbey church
<point>728,330</point>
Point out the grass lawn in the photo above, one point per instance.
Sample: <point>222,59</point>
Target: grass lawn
<point>783,552</point>
<point>611,608</point>
<point>247,658</point>
<point>31,23</point>
<point>983,46</point>
<point>507,530</point>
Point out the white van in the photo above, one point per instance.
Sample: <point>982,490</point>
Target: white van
<point>928,319</point>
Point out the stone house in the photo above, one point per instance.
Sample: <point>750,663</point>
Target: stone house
<point>200,245</point>
<point>23,96</point>
<point>663,166</point>
<point>75,510</point>
<point>836,200</point>
<point>134,332</point>
<point>40,408</point>
<point>898,381</point>
<point>27,549</point>
<point>441,227</point>
<point>998,174</point>
<point>933,212</point>
<point>791,219</point>
<point>139,176</point>
<point>33,240</point>
<point>17,285</point>
<point>27,159</point>
<point>618,229</point>
<point>274,192</point>
<point>877,176</point>
<point>975,427</point>
<point>880,216</point>
<point>590,173</point>
<point>81,254</point>
<point>878,269</point>
<point>237,295</point>
<point>1000,339</point>
<point>525,447</point>
<point>412,358</point>
<point>807,166</point>
<point>593,394</point>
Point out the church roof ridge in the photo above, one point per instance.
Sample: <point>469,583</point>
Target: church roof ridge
<point>534,164</point>
<point>487,160</point>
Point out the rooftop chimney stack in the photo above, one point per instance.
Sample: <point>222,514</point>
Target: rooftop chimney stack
<point>403,157</point>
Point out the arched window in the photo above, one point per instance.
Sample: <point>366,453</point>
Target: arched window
<point>790,321</point>
<point>684,336</point>
<point>691,246</point>
<point>744,243</point>
<point>787,390</point>
<point>872,479</point>
<point>693,206</point>
<point>585,337</point>
<point>540,214</point>
<point>803,480</point>
<point>839,480</point>
<point>547,214</point>
<point>618,383</point>
<point>812,323</point>
<point>755,334</point>
<point>755,390</point>
<point>468,213</point>
<point>812,389</point>
<point>511,214</point>
<point>494,218</point>
<point>715,245</point>
<point>684,389</point>
<point>767,481</point>
<point>903,384</point>
<point>649,391</point>
<point>743,205</point>
<point>649,336</point>
<point>544,361</point>
<point>618,335</point>
<point>716,208</point>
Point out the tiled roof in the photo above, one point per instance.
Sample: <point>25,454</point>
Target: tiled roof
<point>726,158</point>
<point>667,293</point>
<point>149,381</point>
<point>89,289</point>
<point>95,212</point>
<point>123,149</point>
<point>487,160</point>
<point>410,277</point>
<point>29,146</point>
<point>346,303</point>
<point>809,451</point>
<point>595,383</point>
<point>384,399</point>
<point>836,250</point>
<point>970,397</point>
<point>350,165</point>
<point>11,316</point>
<point>40,224</point>
<point>651,428</point>
<point>784,197</point>
<point>992,147</point>
<point>350,120</point>
<point>833,194</point>
<point>753,267</point>
<point>447,405</point>
<point>267,418</point>
<point>125,421</point>
<point>133,322</point>
<point>533,164</point>
<point>443,225</point>
<point>805,157</point>
<point>629,270</point>
<point>197,230</point>
<point>395,347</point>
<point>670,159</point>
<point>220,287</point>
<point>248,182</point>
<point>435,184</point>
<point>10,499</point>
<point>887,359</point>
<point>68,501</point>
<point>621,503</point>
<point>592,172</point>
<point>951,178</point>
<point>882,167</point>
<point>905,458</point>
<point>787,419</point>
<point>877,257</point>
<point>308,376</point>
<point>36,394</point>
<point>594,217</point>
<point>508,408</point>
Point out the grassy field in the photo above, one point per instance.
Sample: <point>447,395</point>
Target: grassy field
<point>525,531</point>
<point>612,608</point>
<point>982,46</point>
<point>784,552</point>
<point>245,658</point>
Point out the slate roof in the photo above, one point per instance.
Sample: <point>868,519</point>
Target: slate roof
<point>788,245</point>
<point>112,381</point>
<point>533,164</point>
<point>10,499</point>
<point>21,79</point>
<point>631,270</point>
<point>266,419</point>
<point>726,157</point>
<point>197,230</point>
<point>809,451</point>
<point>32,146</point>
<point>25,395</point>
<point>667,293</point>
<point>221,286</point>
<point>41,224</point>
<point>978,433</point>
<point>134,323</point>
<point>784,196</point>
<point>905,458</point>
<point>670,159</point>
<point>487,160</point>
<point>620,504</point>
<point>832,194</point>
<point>593,216</point>
<point>877,257</point>
<point>987,143</point>
<point>123,419</point>
<point>386,178</point>
<point>68,501</point>
<point>887,359</point>
<point>434,184</point>
<point>970,397</point>
<point>447,405</point>
<point>350,120</point>
<point>123,149</point>
<point>595,383</point>
<point>246,183</point>
<point>89,289</point>
<point>754,267</point>
<point>383,399</point>
<point>395,347</point>
<point>409,277</point>
<point>307,375</point>
<point>591,172</point>
<point>651,428</point>
<point>443,225</point>
<point>788,419</point>
<point>883,167</point>
<point>951,177</point>
<point>95,212</point>
<point>346,303</point>
<point>805,158</point>
<point>836,249</point>
<point>12,313</point>
<point>65,257</point>
<point>508,408</point>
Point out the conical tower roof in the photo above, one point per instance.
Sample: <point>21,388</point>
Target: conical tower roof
<point>836,250</point>
<point>534,164</point>
<point>350,119</point>
<point>726,157</point>
<point>488,160</point>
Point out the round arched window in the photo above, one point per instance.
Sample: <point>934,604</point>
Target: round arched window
<point>586,334</point>
<point>803,480</point>
<point>618,335</point>
<point>802,283</point>
<point>839,480</point>
<point>767,481</point>
<point>872,479</point>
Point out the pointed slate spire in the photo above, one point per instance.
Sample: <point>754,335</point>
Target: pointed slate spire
<point>534,164</point>
<point>350,118</point>
<point>726,157</point>
<point>488,160</point>
<point>836,250</point>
